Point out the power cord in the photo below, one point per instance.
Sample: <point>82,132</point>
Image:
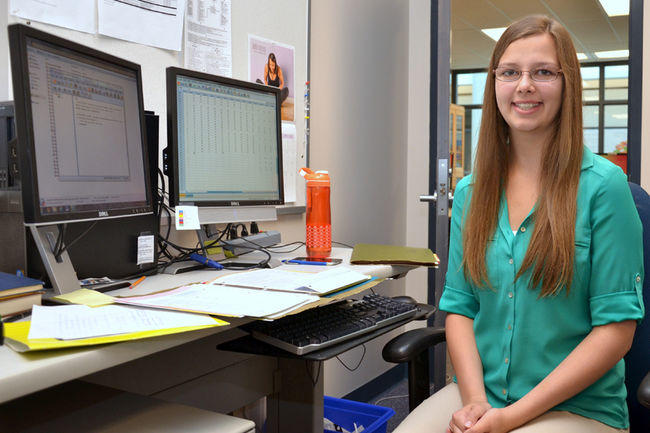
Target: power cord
<point>314,380</point>
<point>358,364</point>
<point>61,246</point>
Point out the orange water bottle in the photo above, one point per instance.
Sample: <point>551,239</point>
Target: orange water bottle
<point>319,219</point>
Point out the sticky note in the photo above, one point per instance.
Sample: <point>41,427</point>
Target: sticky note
<point>187,218</point>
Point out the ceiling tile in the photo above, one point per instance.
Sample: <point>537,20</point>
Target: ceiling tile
<point>478,13</point>
<point>603,39</point>
<point>572,10</point>
<point>622,28</point>
<point>518,9</point>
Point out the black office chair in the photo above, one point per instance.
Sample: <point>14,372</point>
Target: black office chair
<point>412,346</point>
<point>637,360</point>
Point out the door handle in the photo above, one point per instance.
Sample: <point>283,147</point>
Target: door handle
<point>434,198</point>
<point>429,198</point>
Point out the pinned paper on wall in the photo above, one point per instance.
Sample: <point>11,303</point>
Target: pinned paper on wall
<point>187,218</point>
<point>77,15</point>
<point>157,24</point>
<point>208,37</point>
<point>272,63</point>
<point>289,167</point>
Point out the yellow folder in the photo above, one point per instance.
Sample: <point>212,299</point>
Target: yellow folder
<point>16,337</point>
<point>371,254</point>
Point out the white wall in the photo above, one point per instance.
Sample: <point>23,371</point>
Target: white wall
<point>369,75</point>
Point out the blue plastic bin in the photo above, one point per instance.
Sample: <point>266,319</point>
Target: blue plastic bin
<point>346,412</point>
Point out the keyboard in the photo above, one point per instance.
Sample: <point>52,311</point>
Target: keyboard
<point>331,324</point>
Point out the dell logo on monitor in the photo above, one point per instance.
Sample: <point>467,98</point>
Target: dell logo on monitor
<point>103,213</point>
<point>234,203</point>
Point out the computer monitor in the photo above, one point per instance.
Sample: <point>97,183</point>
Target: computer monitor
<point>226,147</point>
<point>82,148</point>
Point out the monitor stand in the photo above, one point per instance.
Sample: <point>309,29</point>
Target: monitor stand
<point>61,273</point>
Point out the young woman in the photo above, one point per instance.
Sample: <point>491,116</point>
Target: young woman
<point>545,271</point>
<point>273,76</point>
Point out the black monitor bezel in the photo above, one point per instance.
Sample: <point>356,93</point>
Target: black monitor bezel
<point>172,137</point>
<point>18,34</point>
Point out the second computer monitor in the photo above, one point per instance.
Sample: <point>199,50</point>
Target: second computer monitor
<point>225,140</point>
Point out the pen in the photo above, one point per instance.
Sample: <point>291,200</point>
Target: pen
<point>304,262</point>
<point>138,281</point>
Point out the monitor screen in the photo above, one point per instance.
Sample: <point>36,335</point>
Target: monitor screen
<point>79,116</point>
<point>225,136</point>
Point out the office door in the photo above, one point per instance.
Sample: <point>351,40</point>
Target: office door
<point>439,169</point>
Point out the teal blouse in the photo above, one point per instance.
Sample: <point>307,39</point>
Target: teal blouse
<point>521,338</point>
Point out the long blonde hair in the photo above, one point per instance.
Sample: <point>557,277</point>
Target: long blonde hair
<point>551,249</point>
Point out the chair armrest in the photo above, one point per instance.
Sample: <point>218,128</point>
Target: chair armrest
<point>407,346</point>
<point>643,393</point>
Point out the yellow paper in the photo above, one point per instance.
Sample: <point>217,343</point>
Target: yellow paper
<point>16,337</point>
<point>87,297</point>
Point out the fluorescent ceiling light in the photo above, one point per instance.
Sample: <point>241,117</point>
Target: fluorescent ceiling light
<point>494,33</point>
<point>612,54</point>
<point>615,8</point>
<point>582,56</point>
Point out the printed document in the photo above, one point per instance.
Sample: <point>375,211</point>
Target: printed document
<point>75,15</point>
<point>320,283</point>
<point>158,23</point>
<point>221,300</point>
<point>208,37</point>
<point>69,322</point>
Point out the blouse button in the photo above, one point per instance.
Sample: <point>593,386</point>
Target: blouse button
<point>509,327</point>
<point>511,261</point>
<point>638,279</point>
<point>504,391</point>
<point>507,360</point>
<point>509,294</point>
<point>523,229</point>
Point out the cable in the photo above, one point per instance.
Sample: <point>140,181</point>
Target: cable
<point>360,360</point>
<point>64,246</point>
<point>390,397</point>
<point>59,241</point>
<point>341,243</point>
<point>255,247</point>
<point>314,380</point>
<point>274,247</point>
<point>393,397</point>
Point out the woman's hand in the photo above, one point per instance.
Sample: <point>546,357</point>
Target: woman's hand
<point>466,417</point>
<point>493,421</point>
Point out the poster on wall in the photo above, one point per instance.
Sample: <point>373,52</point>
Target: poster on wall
<point>208,37</point>
<point>271,63</point>
<point>78,15</point>
<point>157,24</point>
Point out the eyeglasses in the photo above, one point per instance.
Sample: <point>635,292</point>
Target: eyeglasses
<point>540,75</point>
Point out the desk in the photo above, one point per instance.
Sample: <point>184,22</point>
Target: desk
<point>184,368</point>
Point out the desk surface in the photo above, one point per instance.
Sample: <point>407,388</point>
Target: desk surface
<point>22,374</point>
